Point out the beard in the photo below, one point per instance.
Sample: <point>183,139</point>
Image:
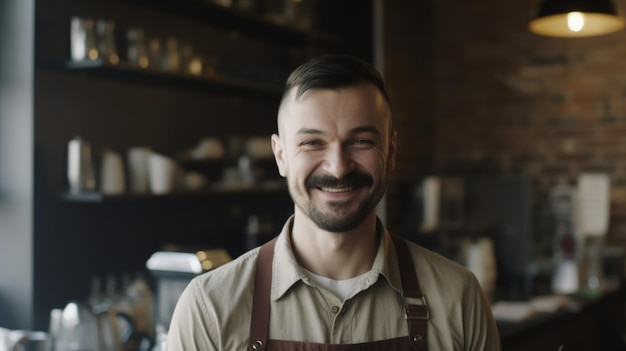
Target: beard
<point>339,216</point>
<point>336,220</point>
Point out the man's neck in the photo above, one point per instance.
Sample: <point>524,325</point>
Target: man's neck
<point>335,255</point>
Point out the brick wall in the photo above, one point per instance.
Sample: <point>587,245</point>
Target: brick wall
<point>475,91</point>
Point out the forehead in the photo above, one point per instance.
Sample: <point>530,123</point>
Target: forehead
<point>334,109</point>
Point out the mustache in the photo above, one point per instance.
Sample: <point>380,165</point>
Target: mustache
<point>351,180</point>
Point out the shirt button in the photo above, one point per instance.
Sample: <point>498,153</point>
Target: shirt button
<point>336,309</point>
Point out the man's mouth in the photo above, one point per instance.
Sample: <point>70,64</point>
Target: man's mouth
<point>336,190</point>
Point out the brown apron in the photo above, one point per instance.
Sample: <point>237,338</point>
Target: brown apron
<point>416,315</point>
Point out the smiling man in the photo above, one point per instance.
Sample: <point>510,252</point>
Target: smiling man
<point>335,278</point>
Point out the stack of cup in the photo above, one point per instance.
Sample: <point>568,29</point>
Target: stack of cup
<point>163,174</point>
<point>138,170</point>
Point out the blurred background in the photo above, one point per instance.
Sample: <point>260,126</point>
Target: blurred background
<point>499,129</point>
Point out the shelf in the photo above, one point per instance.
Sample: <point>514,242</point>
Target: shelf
<point>130,71</point>
<point>269,187</point>
<point>207,12</point>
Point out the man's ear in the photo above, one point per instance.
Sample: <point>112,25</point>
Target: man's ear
<point>391,157</point>
<point>279,155</point>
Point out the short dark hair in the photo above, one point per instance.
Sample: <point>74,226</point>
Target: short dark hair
<point>334,71</point>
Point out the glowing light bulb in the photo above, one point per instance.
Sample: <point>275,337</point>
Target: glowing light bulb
<point>575,21</point>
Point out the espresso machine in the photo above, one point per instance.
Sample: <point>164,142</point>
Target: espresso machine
<point>172,272</point>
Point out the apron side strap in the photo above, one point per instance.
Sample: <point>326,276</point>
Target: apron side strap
<point>417,333</point>
<point>416,315</point>
<point>417,318</point>
<point>259,323</point>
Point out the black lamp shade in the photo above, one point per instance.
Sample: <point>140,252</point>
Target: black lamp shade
<point>594,17</point>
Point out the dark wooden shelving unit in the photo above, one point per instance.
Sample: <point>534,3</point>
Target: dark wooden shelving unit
<point>129,71</point>
<point>218,190</point>
<point>67,239</point>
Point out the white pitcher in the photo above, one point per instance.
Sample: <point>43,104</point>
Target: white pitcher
<point>81,329</point>
<point>23,340</point>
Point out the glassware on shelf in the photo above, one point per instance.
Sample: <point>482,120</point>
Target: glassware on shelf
<point>295,13</point>
<point>172,55</point>
<point>224,3</point>
<point>137,50</point>
<point>155,53</point>
<point>249,6</point>
<point>83,39</point>
<point>105,39</point>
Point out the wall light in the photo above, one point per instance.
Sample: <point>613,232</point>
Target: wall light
<point>576,18</point>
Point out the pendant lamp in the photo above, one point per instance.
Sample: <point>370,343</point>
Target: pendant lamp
<point>576,18</point>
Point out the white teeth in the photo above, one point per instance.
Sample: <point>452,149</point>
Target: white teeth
<point>336,190</point>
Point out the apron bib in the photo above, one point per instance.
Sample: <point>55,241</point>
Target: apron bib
<point>416,314</point>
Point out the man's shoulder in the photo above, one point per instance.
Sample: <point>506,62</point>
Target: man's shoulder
<point>236,272</point>
<point>215,305</point>
<point>427,259</point>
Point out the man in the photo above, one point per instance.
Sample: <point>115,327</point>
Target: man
<point>335,279</point>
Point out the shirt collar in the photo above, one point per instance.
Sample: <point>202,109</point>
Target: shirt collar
<point>286,271</point>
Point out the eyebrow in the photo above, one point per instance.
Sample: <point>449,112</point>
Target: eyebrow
<point>356,130</point>
<point>309,131</point>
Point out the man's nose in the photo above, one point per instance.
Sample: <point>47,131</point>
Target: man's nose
<point>338,162</point>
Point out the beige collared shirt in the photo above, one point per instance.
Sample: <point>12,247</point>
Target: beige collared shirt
<point>213,313</point>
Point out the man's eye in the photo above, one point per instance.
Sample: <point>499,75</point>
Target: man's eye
<point>362,142</point>
<point>310,143</point>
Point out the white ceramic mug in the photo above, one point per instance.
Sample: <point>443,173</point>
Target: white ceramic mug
<point>163,174</point>
<point>137,158</point>
<point>79,166</point>
<point>112,180</point>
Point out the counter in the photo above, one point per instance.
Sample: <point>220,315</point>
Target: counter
<point>597,324</point>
